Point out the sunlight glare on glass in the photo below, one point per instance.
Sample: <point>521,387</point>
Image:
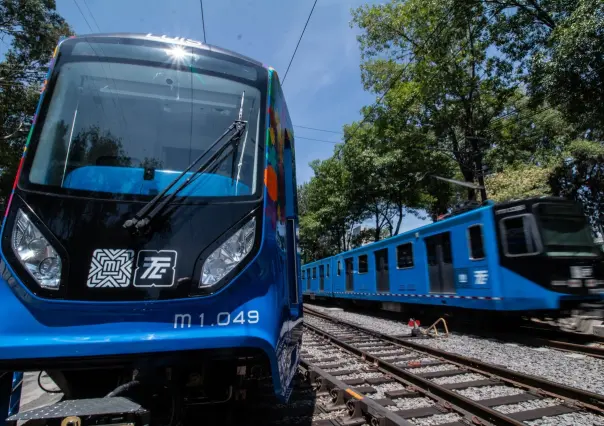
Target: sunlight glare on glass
<point>177,53</point>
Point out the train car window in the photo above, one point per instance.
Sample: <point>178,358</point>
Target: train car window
<point>476,242</point>
<point>321,271</point>
<point>314,272</point>
<point>327,271</point>
<point>446,247</point>
<point>339,269</point>
<point>519,236</point>
<point>363,264</point>
<point>404,256</point>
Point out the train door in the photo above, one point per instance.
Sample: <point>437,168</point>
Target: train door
<point>381,271</point>
<point>349,272</point>
<point>440,263</point>
<point>321,277</point>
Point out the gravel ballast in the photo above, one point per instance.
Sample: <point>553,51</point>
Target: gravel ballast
<point>585,373</point>
<point>570,419</point>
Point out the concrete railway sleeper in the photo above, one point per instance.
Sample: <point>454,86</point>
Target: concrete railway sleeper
<point>594,400</point>
<point>365,394</point>
<point>490,396</point>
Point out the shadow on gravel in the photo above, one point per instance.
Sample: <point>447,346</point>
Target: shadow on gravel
<point>261,408</point>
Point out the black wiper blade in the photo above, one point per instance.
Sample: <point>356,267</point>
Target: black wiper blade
<point>159,202</point>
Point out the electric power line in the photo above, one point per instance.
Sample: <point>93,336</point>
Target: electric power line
<point>299,40</point>
<point>92,15</point>
<point>317,140</point>
<point>83,16</point>
<point>203,22</point>
<point>318,130</point>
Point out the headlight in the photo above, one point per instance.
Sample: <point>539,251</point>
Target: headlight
<point>230,253</point>
<point>35,253</point>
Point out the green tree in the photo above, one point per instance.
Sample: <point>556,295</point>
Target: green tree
<point>579,175</point>
<point>449,84</point>
<point>570,74</point>
<point>519,181</point>
<point>327,214</point>
<point>33,28</point>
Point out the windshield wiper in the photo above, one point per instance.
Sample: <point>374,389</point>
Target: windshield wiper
<point>146,214</point>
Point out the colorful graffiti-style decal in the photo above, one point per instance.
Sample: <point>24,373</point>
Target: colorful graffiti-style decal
<point>279,126</point>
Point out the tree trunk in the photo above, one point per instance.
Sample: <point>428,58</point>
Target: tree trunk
<point>400,219</point>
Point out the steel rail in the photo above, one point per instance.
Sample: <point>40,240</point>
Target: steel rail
<point>344,397</point>
<point>467,404</point>
<point>589,400</point>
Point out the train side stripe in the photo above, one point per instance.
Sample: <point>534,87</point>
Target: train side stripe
<point>446,296</point>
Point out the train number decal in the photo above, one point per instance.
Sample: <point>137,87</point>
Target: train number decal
<point>222,319</point>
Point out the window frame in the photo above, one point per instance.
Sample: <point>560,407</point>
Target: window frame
<point>469,240</point>
<point>535,230</point>
<point>314,273</point>
<point>366,262</point>
<point>412,255</point>
<point>339,268</point>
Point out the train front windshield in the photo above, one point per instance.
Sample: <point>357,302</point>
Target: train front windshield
<point>126,116</point>
<point>565,230</point>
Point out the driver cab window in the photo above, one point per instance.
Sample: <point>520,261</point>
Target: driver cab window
<point>519,236</point>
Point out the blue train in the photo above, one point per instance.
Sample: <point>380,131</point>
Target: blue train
<point>534,256</point>
<point>150,243</point>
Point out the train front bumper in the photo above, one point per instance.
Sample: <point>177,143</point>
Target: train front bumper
<point>48,335</point>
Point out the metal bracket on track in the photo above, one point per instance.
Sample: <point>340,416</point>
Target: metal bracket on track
<point>433,327</point>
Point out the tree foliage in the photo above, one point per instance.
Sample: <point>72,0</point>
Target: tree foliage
<point>503,93</point>
<point>579,175</point>
<point>33,29</point>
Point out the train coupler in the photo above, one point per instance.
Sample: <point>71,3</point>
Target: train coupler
<point>116,411</point>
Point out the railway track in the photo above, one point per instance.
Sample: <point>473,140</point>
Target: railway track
<point>466,387</point>
<point>353,376</point>
<point>527,334</point>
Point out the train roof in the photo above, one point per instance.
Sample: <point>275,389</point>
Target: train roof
<point>386,241</point>
<point>531,200</point>
<point>453,217</point>
<point>175,40</point>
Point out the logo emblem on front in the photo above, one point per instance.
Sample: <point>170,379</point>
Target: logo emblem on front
<point>155,268</point>
<point>110,268</point>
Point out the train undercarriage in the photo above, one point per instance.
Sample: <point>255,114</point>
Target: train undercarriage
<point>139,391</point>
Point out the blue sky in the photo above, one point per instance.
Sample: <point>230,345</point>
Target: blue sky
<point>323,87</point>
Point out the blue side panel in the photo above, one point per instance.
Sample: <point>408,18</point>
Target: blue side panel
<point>521,294</point>
<point>476,280</point>
<point>127,180</point>
<point>479,283</point>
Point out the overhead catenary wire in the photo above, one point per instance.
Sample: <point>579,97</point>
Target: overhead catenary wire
<point>392,83</point>
<point>83,16</point>
<point>318,140</point>
<point>319,130</point>
<point>299,40</point>
<point>92,15</point>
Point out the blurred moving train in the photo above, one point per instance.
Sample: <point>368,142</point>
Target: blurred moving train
<point>149,247</point>
<point>534,256</point>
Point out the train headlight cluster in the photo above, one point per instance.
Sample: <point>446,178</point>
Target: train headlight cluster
<point>35,253</point>
<point>230,253</point>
